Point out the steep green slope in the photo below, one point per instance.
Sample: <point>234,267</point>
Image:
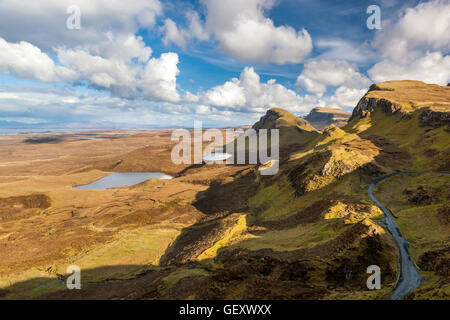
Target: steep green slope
<point>316,210</point>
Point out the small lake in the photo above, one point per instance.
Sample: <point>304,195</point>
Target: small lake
<point>216,156</point>
<point>122,179</point>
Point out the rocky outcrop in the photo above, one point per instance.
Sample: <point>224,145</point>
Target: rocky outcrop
<point>419,196</point>
<point>366,106</point>
<point>276,118</point>
<point>267,121</point>
<point>196,239</point>
<point>407,97</point>
<point>434,119</point>
<point>437,261</point>
<point>321,118</point>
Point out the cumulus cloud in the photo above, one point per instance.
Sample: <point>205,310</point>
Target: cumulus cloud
<point>419,29</point>
<point>105,53</point>
<point>190,97</point>
<point>230,94</point>
<point>317,75</point>
<point>98,71</point>
<point>174,35</point>
<point>35,104</point>
<point>344,97</point>
<point>431,68</point>
<point>27,61</point>
<point>416,46</point>
<point>159,78</point>
<point>121,47</point>
<point>120,64</point>
<point>249,94</point>
<point>202,109</point>
<point>43,22</point>
<point>243,31</point>
<point>155,79</point>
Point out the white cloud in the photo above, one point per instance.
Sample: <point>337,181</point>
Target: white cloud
<point>181,36</point>
<point>101,72</point>
<point>345,97</point>
<point>418,30</point>
<point>190,97</point>
<point>196,27</point>
<point>243,31</point>
<point>202,109</point>
<point>27,61</point>
<point>159,79</point>
<point>416,46</point>
<point>120,64</point>
<point>174,35</point>
<point>104,53</point>
<point>317,75</point>
<point>43,22</point>
<point>121,47</point>
<point>155,79</point>
<point>431,68</point>
<point>107,54</point>
<point>230,94</point>
<point>337,49</point>
<point>55,107</point>
<point>249,94</point>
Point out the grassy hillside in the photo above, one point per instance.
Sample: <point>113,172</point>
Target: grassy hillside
<point>315,212</point>
<point>308,232</point>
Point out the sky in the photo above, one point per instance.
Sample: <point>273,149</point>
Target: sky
<point>161,64</point>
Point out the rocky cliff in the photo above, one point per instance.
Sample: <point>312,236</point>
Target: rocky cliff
<point>320,118</point>
<point>430,101</point>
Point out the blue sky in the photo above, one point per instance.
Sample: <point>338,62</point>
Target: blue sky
<point>160,63</point>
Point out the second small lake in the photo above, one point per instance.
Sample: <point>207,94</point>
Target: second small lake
<point>122,179</point>
<point>216,156</point>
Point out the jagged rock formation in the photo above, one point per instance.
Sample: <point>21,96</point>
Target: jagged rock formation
<point>405,98</point>
<point>434,118</point>
<point>320,118</point>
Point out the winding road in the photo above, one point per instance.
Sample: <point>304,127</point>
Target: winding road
<point>409,277</point>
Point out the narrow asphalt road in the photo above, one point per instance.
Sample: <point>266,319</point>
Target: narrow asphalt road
<point>409,278</point>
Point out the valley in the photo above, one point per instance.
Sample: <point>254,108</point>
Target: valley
<point>219,231</point>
